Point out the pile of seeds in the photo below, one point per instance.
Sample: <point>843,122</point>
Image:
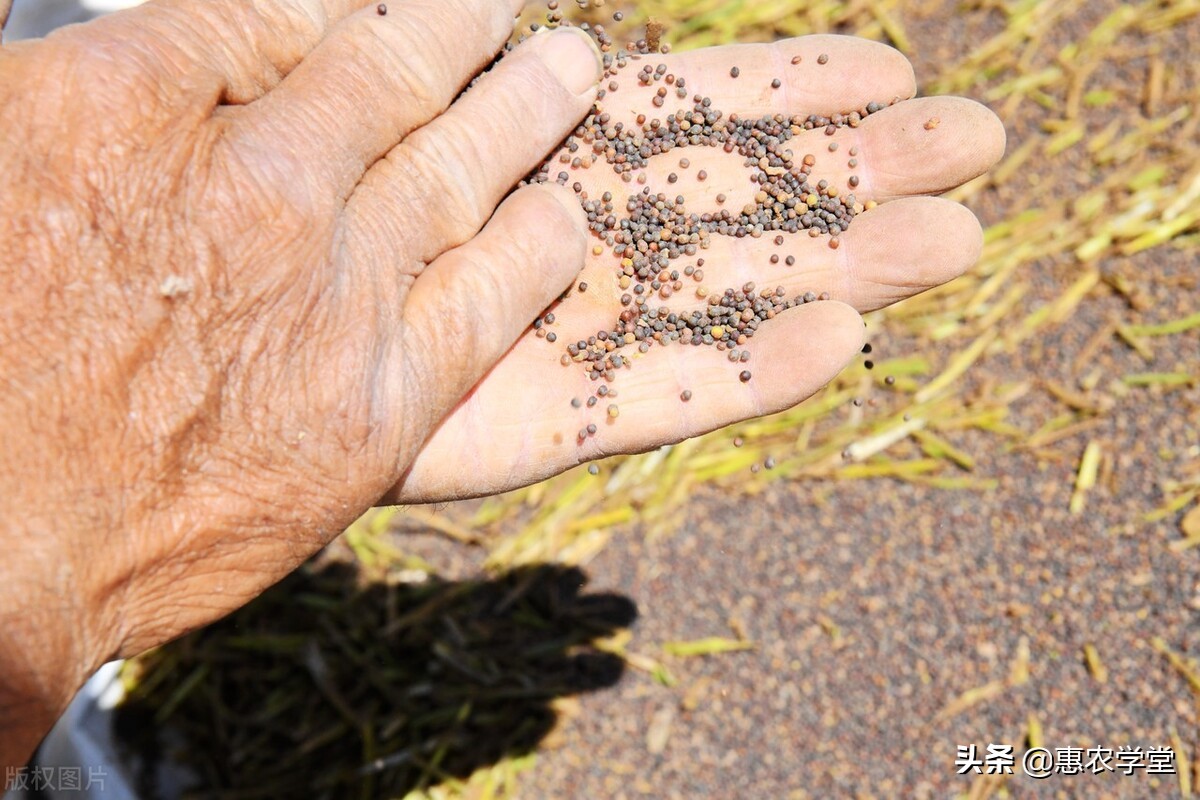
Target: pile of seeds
<point>653,233</point>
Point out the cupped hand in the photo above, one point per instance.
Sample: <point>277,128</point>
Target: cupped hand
<point>244,273</point>
<point>520,424</point>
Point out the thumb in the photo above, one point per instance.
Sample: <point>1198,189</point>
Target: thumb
<point>471,305</point>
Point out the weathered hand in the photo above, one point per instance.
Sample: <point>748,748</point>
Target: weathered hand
<point>240,283</point>
<point>519,424</point>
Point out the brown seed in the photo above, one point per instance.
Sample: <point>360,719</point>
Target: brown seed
<point>797,60</point>
<point>775,84</point>
<point>745,376</point>
<point>823,59</point>
<point>686,395</point>
<point>889,380</point>
<point>576,402</point>
<point>381,9</point>
<point>835,243</point>
<point>733,73</point>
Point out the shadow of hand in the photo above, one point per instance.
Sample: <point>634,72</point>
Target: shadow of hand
<point>327,686</point>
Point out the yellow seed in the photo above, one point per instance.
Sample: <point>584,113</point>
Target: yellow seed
<point>718,332</point>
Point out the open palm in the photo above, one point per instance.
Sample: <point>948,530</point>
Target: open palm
<point>519,424</point>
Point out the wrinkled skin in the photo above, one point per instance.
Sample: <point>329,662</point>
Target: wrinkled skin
<point>259,273</point>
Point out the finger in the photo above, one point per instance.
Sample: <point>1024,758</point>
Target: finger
<point>925,146</point>
<point>794,356</point>
<point>856,72</point>
<point>373,80</point>
<point>228,51</point>
<point>451,173</point>
<point>470,305</point>
<point>5,7</point>
<point>887,255</point>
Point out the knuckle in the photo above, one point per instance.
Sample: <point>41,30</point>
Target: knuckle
<point>406,59</point>
<point>447,167</point>
<point>263,194</point>
<point>304,17</point>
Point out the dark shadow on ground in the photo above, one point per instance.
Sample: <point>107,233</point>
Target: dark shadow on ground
<point>327,686</point>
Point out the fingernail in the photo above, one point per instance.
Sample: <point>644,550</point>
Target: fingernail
<point>573,58</point>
